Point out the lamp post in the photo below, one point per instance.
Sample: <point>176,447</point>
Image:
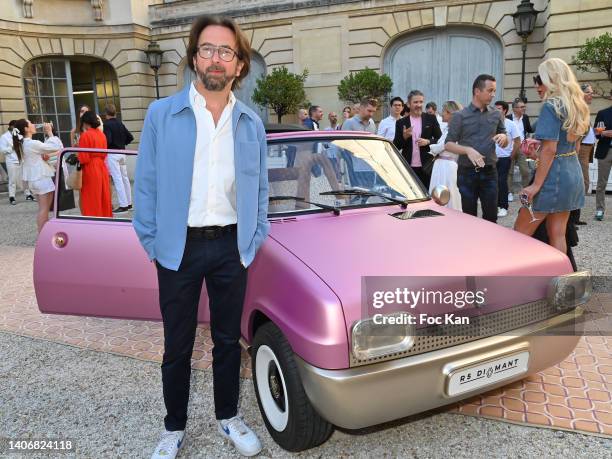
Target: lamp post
<point>524,23</point>
<point>154,55</point>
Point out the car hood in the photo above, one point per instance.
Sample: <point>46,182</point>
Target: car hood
<point>343,249</point>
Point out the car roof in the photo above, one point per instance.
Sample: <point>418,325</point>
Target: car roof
<point>320,134</point>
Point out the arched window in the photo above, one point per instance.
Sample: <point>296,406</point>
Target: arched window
<point>56,88</point>
<point>443,63</point>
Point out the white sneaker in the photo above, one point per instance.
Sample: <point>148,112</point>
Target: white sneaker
<point>243,438</point>
<point>510,197</point>
<point>169,444</point>
<point>502,212</point>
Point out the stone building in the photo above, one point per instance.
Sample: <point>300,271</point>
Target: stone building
<point>58,54</point>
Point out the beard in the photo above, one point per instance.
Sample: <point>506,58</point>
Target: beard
<point>214,82</point>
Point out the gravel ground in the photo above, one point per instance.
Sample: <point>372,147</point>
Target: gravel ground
<point>111,406</point>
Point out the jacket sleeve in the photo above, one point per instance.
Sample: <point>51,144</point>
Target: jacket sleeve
<point>436,131</point>
<point>398,140</point>
<point>263,226</point>
<point>527,126</point>
<point>145,186</point>
<point>129,138</point>
<point>109,134</point>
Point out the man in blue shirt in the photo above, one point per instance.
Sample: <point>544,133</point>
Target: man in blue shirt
<point>201,198</point>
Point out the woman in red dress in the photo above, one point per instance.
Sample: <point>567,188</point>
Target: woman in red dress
<point>95,192</point>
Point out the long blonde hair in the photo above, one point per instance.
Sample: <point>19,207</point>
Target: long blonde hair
<point>565,95</point>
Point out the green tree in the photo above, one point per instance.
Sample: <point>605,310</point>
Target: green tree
<point>364,83</point>
<point>595,56</point>
<point>281,90</point>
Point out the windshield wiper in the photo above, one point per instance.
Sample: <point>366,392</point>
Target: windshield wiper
<point>364,192</point>
<point>335,210</point>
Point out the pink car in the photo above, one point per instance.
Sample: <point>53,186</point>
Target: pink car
<point>330,343</point>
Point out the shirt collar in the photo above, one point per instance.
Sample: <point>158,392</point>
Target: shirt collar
<point>198,100</point>
<point>474,108</point>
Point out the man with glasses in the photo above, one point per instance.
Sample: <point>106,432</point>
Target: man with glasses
<point>523,124</point>
<point>201,199</point>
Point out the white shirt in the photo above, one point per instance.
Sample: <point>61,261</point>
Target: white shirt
<point>213,186</point>
<point>6,147</point>
<point>437,149</point>
<point>518,122</point>
<point>512,131</point>
<point>589,139</point>
<point>34,167</point>
<point>386,128</point>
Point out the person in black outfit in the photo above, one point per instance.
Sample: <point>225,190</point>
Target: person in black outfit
<point>417,130</point>
<point>117,137</point>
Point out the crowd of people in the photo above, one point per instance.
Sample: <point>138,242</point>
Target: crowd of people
<point>474,150</point>
<point>31,163</point>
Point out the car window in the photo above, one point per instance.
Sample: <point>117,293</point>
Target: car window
<point>307,168</point>
<point>104,191</point>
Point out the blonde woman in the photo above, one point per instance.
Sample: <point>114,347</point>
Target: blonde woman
<point>444,170</point>
<point>558,186</point>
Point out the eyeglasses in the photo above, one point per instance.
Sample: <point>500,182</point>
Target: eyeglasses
<point>225,54</point>
<point>537,80</point>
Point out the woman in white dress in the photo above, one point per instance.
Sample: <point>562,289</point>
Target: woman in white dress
<point>444,170</point>
<point>35,168</point>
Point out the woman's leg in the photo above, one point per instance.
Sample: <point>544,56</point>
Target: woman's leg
<point>44,207</point>
<point>523,223</point>
<point>556,225</point>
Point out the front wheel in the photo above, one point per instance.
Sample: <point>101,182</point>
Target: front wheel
<point>288,414</point>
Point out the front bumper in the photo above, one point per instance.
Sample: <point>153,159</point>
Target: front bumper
<point>364,396</point>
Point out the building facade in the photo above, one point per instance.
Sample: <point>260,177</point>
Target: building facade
<point>58,54</point>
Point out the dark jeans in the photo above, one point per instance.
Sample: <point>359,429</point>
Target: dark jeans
<point>478,185</point>
<point>217,262</point>
<point>503,167</point>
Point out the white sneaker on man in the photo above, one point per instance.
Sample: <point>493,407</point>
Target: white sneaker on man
<point>169,444</point>
<point>510,197</point>
<point>243,438</point>
<point>501,212</point>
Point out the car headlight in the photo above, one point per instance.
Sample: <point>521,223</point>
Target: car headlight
<point>382,334</point>
<point>571,290</point>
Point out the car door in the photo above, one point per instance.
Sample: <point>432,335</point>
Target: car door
<point>95,266</point>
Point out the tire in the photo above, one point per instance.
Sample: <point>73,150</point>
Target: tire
<point>287,412</point>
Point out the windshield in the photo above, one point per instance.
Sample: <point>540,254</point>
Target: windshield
<point>310,169</point>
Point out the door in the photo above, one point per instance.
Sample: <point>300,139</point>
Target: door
<point>443,63</point>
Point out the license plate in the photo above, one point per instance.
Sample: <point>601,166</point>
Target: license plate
<point>487,373</point>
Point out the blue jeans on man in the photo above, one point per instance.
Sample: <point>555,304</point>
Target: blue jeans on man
<point>503,169</point>
<point>478,183</point>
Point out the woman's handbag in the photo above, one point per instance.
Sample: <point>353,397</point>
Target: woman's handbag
<point>75,179</point>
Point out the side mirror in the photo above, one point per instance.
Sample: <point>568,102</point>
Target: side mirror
<point>440,195</point>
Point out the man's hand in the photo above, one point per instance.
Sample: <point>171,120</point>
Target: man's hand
<point>476,158</point>
<point>607,133</point>
<point>407,132</point>
<point>501,140</point>
<point>423,142</point>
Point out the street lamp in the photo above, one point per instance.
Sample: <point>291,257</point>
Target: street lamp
<point>524,23</point>
<point>154,55</point>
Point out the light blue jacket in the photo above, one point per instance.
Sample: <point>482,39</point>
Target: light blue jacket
<point>164,171</point>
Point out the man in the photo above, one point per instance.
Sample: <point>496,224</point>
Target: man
<point>386,128</point>
<point>432,109</point>
<point>413,135</point>
<point>504,158</point>
<point>201,199</point>
<point>604,158</point>
<point>333,122</point>
<point>302,115</point>
<point>472,134</point>
<point>117,137</point>
<point>13,167</point>
<point>315,114</point>
<point>362,121</point>
<point>523,124</point>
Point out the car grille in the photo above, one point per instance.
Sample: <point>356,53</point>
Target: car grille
<point>442,336</point>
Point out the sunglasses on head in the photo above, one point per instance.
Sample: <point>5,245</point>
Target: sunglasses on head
<point>537,80</point>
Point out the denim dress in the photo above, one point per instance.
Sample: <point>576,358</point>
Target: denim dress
<point>563,188</point>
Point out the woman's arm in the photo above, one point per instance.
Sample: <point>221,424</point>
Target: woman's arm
<point>547,156</point>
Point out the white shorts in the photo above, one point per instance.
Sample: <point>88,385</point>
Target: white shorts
<point>42,186</point>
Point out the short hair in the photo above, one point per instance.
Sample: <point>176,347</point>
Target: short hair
<point>503,104</point>
<point>369,101</point>
<point>517,101</point>
<point>414,92</point>
<point>111,110</point>
<point>396,99</point>
<point>481,81</point>
<point>312,109</point>
<point>431,105</point>
<point>90,118</point>
<point>243,51</point>
<point>12,124</point>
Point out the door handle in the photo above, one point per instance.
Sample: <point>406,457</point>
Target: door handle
<point>60,240</point>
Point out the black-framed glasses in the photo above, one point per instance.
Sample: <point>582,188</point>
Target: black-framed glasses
<point>537,80</point>
<point>225,54</point>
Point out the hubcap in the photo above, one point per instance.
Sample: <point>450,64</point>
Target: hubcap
<point>271,388</point>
